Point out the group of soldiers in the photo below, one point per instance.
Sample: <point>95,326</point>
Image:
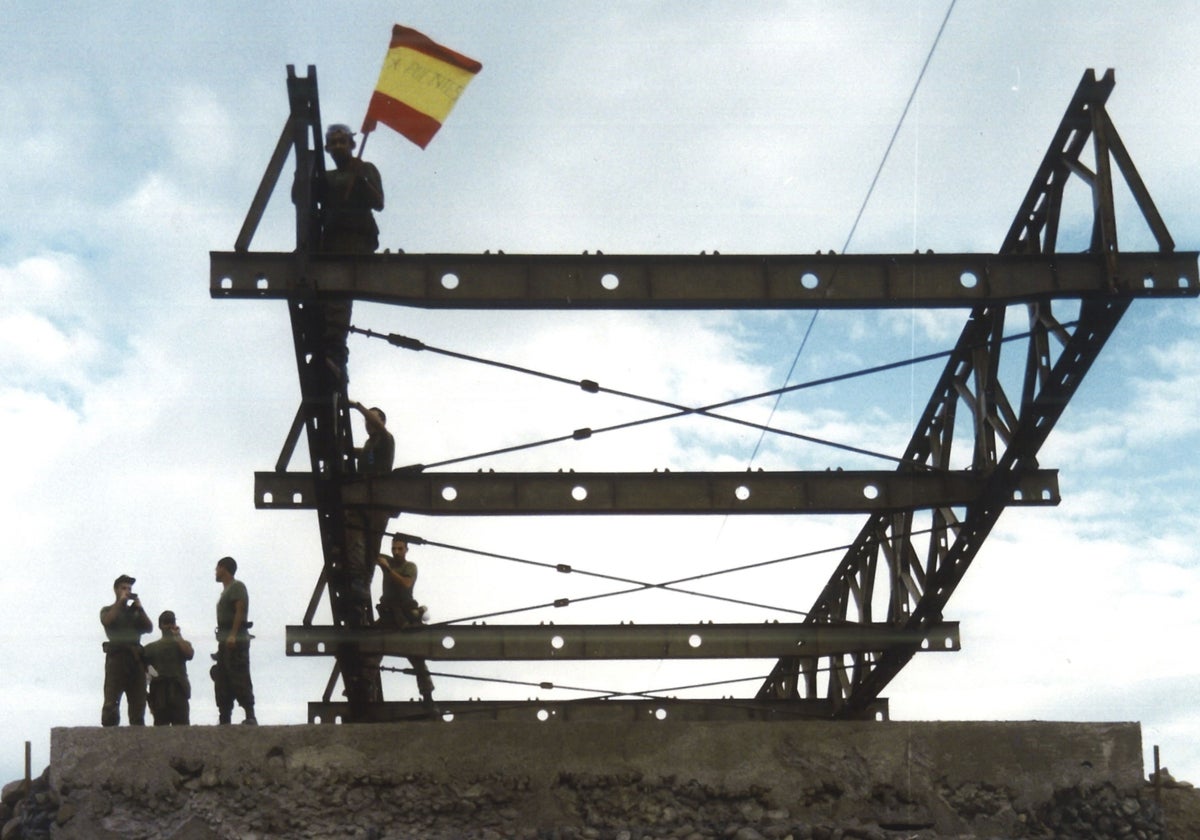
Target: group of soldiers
<point>128,664</point>
<point>348,194</point>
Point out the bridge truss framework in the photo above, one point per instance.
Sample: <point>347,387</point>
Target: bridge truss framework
<point>885,600</point>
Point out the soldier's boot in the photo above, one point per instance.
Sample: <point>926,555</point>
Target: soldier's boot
<point>110,715</point>
<point>250,718</point>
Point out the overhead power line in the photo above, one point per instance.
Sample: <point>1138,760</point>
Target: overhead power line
<point>862,208</point>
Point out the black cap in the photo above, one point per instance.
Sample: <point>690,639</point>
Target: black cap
<point>123,579</point>
<point>167,617</point>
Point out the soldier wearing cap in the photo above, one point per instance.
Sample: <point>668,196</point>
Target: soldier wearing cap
<point>166,663</point>
<point>348,195</point>
<point>124,623</point>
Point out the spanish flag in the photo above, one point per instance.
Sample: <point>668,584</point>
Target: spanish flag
<point>418,85</point>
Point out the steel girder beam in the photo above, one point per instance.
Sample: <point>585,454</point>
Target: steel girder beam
<point>885,568</point>
<point>478,643</point>
<point>492,281</point>
<point>524,494</point>
<point>649,710</point>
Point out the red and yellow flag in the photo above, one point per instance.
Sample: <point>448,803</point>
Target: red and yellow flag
<point>418,85</point>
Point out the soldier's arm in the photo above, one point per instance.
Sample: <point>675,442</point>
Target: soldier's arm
<point>369,176</point>
<point>406,581</point>
<point>239,617</point>
<point>109,615</point>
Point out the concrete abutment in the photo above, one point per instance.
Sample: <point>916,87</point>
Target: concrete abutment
<point>487,779</point>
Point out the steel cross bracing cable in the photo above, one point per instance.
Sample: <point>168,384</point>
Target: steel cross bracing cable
<point>639,586</point>
<point>600,694</point>
<point>591,386</point>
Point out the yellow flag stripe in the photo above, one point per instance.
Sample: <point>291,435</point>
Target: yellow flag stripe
<point>422,82</point>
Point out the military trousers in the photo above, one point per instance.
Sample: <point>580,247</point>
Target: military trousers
<point>231,679</point>
<point>124,674</point>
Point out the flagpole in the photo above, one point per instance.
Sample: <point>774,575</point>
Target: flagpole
<point>363,144</point>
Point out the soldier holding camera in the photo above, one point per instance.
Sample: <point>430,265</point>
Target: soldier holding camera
<point>124,623</point>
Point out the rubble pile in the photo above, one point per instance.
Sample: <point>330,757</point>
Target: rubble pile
<point>28,809</point>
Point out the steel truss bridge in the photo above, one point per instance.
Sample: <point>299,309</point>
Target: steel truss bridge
<point>885,600</point>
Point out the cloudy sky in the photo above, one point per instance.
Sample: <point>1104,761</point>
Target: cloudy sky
<point>134,409</point>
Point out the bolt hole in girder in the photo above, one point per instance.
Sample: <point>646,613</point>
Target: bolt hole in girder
<point>969,279</point>
<point>741,492</point>
<point>447,716</point>
<point>557,642</point>
<point>695,641</point>
<point>543,715</point>
<point>660,714</point>
<point>449,493</point>
<point>1150,282</point>
<point>579,493</point>
<point>261,282</point>
<point>809,280</point>
<point>1045,495</point>
<point>448,642</point>
<point>870,491</point>
<point>225,283</point>
<point>450,280</point>
<point>945,642</point>
<point>610,281</point>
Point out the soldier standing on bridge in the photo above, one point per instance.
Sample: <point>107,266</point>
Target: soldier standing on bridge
<point>231,674</point>
<point>398,607</point>
<point>347,195</point>
<point>124,623</point>
<point>366,528</point>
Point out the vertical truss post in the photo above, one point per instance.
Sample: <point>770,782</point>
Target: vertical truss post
<point>1005,442</point>
<point>324,400</point>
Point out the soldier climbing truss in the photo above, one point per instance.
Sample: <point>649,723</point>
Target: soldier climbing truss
<point>926,519</point>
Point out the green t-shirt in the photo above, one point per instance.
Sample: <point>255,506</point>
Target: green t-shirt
<point>236,591</point>
<point>167,659</point>
<point>128,627</point>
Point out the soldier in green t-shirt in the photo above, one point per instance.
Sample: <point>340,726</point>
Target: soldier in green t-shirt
<point>166,664</point>
<point>124,623</point>
<point>231,674</point>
